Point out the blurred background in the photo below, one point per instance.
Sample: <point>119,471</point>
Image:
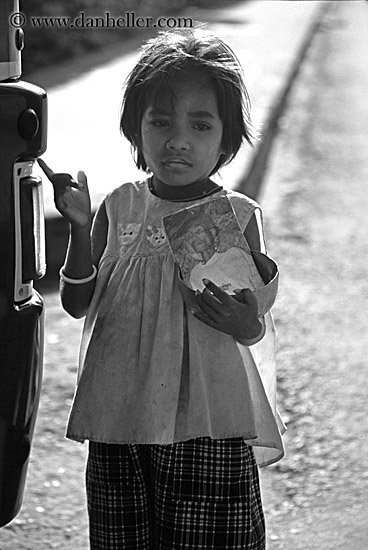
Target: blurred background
<point>44,45</point>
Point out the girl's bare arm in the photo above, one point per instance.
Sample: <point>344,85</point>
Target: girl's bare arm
<point>72,200</point>
<point>251,234</point>
<point>84,252</point>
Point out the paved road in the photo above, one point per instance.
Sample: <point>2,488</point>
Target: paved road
<point>316,204</point>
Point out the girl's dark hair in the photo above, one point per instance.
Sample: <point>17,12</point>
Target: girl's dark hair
<point>162,60</point>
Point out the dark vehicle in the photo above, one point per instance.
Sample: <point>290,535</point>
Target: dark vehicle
<point>22,261</point>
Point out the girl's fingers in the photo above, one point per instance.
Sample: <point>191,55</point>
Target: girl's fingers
<point>244,295</point>
<point>220,294</point>
<point>209,302</point>
<point>210,305</point>
<point>205,319</point>
<point>46,169</point>
<point>61,180</point>
<point>82,180</point>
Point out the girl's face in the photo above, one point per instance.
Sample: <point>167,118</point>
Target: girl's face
<point>181,137</point>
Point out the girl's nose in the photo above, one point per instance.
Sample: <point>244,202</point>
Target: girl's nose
<point>178,142</point>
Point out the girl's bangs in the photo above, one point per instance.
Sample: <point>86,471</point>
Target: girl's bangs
<point>158,89</point>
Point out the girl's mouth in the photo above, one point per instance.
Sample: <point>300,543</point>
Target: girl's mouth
<point>176,162</point>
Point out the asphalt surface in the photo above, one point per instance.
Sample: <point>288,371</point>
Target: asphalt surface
<point>316,202</point>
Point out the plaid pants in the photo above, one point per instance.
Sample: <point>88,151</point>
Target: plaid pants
<point>197,494</point>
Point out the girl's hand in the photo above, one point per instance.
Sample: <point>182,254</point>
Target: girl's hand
<point>71,197</point>
<point>235,315</point>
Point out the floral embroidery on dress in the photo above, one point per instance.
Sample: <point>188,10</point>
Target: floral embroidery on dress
<point>155,236</point>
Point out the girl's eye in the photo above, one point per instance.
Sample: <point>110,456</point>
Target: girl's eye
<point>202,126</point>
<point>159,123</point>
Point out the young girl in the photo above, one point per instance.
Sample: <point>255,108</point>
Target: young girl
<point>177,403</point>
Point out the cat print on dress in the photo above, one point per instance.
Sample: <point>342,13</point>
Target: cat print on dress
<point>128,234</point>
<point>155,236</point>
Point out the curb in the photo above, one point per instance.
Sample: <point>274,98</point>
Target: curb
<point>57,229</point>
<point>252,181</point>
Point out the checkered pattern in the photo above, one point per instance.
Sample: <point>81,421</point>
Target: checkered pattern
<point>199,494</point>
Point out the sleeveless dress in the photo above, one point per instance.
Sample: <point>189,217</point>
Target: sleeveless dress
<point>150,372</point>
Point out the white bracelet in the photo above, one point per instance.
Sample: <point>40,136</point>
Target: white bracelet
<point>66,279</point>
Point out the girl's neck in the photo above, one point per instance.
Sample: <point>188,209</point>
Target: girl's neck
<point>182,193</point>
